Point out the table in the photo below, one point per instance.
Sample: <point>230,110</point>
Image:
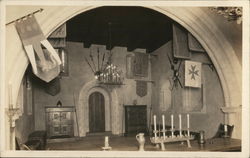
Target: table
<point>215,144</point>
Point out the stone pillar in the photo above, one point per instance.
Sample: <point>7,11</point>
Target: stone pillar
<point>233,117</point>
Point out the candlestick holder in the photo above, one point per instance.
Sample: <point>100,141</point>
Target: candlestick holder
<point>161,140</point>
<point>164,133</point>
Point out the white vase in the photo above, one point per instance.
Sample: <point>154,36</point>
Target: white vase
<point>141,140</point>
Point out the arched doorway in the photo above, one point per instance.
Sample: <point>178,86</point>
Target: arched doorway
<point>96,112</point>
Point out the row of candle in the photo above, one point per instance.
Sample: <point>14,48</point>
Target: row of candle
<point>172,125</point>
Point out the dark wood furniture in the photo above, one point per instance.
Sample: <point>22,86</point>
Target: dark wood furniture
<point>36,141</point>
<point>59,121</point>
<point>135,119</point>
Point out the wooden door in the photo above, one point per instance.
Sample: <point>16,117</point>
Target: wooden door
<point>96,112</point>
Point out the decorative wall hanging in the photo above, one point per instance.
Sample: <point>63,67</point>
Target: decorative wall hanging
<point>130,66</point>
<point>53,87</point>
<point>180,43</point>
<point>192,74</point>
<point>194,45</point>
<point>230,13</point>
<point>58,37</point>
<point>141,64</point>
<point>175,67</point>
<point>45,64</point>
<point>141,88</point>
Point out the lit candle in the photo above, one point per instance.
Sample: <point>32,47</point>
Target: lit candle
<point>163,126</point>
<point>180,123</point>
<point>188,125</point>
<point>155,125</point>
<point>225,128</point>
<point>106,143</point>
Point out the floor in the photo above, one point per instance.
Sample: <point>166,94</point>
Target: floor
<point>121,143</point>
<point>95,143</point>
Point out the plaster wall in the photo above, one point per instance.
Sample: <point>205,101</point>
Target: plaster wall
<point>81,75</point>
<point>174,104</point>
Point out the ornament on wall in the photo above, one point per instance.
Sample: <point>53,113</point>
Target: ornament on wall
<point>141,88</point>
<point>230,13</point>
<point>176,74</point>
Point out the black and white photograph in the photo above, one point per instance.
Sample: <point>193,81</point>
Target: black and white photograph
<point>124,78</point>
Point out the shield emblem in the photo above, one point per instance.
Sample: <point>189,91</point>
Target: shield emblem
<point>141,88</point>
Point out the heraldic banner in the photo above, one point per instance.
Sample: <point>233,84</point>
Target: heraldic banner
<point>192,74</point>
<point>45,64</point>
<point>141,88</point>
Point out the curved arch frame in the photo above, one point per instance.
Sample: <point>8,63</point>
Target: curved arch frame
<point>193,19</point>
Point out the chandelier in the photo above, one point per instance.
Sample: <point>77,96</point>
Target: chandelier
<point>104,70</point>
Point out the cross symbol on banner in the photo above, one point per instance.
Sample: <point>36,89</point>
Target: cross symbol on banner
<point>193,72</point>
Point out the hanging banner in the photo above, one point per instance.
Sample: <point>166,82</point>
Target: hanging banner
<point>141,88</point>
<point>45,65</point>
<point>192,74</point>
<point>180,42</point>
<point>53,87</point>
<point>141,64</point>
<point>194,44</point>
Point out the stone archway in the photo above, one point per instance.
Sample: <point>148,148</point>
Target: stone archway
<point>195,20</point>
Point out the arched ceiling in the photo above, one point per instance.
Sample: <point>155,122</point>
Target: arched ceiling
<point>131,27</point>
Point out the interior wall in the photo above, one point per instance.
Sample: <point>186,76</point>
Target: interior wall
<point>79,75</point>
<point>199,23</point>
<point>207,119</point>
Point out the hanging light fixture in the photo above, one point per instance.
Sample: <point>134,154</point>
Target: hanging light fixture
<point>105,73</point>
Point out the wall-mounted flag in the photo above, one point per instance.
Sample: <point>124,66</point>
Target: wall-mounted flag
<point>45,64</point>
<point>192,74</point>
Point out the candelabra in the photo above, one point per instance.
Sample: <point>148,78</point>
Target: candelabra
<point>171,138</point>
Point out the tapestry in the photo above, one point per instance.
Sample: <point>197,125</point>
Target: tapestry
<point>60,32</point>
<point>141,64</point>
<point>180,42</point>
<point>53,87</point>
<point>193,44</point>
<point>192,74</point>
<point>45,64</point>
<point>141,88</point>
<point>130,66</point>
<point>57,42</point>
